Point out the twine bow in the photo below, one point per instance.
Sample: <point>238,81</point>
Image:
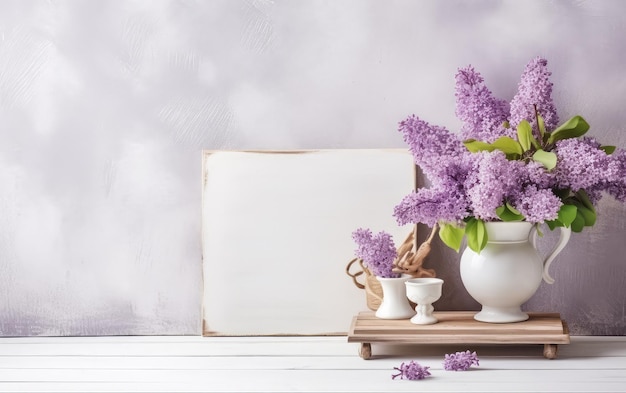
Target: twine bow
<point>410,260</point>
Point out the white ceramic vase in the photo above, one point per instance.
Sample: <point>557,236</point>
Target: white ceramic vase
<point>395,304</point>
<point>508,271</point>
<point>424,292</point>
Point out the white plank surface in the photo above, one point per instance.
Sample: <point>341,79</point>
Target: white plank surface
<point>277,235</point>
<point>282,364</point>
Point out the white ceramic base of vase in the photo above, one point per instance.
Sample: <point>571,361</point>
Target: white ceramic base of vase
<point>424,320</point>
<point>501,315</point>
<point>396,312</point>
<point>424,312</point>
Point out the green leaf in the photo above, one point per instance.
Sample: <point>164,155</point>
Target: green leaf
<point>554,224</point>
<point>588,215</point>
<point>567,214</point>
<point>573,128</point>
<point>579,222</point>
<point>475,146</point>
<point>451,235</point>
<point>608,149</point>
<point>476,235</point>
<point>562,193</point>
<point>547,158</point>
<point>524,134</point>
<point>507,145</point>
<point>542,125</point>
<point>511,208</point>
<point>582,196</point>
<point>507,212</point>
<point>506,124</point>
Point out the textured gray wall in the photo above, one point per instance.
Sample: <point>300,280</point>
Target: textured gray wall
<point>105,107</point>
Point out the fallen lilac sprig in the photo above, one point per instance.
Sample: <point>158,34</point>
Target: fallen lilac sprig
<point>412,371</point>
<point>460,361</point>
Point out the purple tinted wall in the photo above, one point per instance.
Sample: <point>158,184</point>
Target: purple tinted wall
<point>105,107</point>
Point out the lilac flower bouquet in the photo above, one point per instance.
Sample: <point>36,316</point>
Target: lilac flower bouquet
<point>509,162</point>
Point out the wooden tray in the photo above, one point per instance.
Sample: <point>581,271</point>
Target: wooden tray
<point>459,327</point>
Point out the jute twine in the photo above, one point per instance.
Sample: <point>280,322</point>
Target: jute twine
<point>409,261</point>
<point>373,289</point>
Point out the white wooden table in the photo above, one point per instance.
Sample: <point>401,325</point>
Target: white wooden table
<point>289,364</point>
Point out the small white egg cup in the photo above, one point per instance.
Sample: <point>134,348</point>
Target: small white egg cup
<point>424,292</point>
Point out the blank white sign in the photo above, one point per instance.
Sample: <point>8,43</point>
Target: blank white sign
<point>277,235</point>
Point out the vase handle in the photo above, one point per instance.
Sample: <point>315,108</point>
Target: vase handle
<point>560,244</point>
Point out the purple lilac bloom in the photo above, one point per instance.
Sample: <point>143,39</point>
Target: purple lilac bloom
<point>614,183</point>
<point>594,194</point>
<point>452,171</point>
<point>412,371</point>
<point>465,184</point>
<point>534,88</point>
<point>581,165</point>
<point>536,173</point>
<point>492,181</point>
<point>377,252</point>
<point>446,200</point>
<point>617,183</point>
<point>482,114</point>
<point>538,205</point>
<point>430,205</point>
<point>460,361</point>
<point>429,143</point>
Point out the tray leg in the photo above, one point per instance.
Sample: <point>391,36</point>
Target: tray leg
<point>366,351</point>
<point>549,351</point>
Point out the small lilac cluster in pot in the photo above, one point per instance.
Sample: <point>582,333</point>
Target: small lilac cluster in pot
<point>509,162</point>
<point>378,252</point>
